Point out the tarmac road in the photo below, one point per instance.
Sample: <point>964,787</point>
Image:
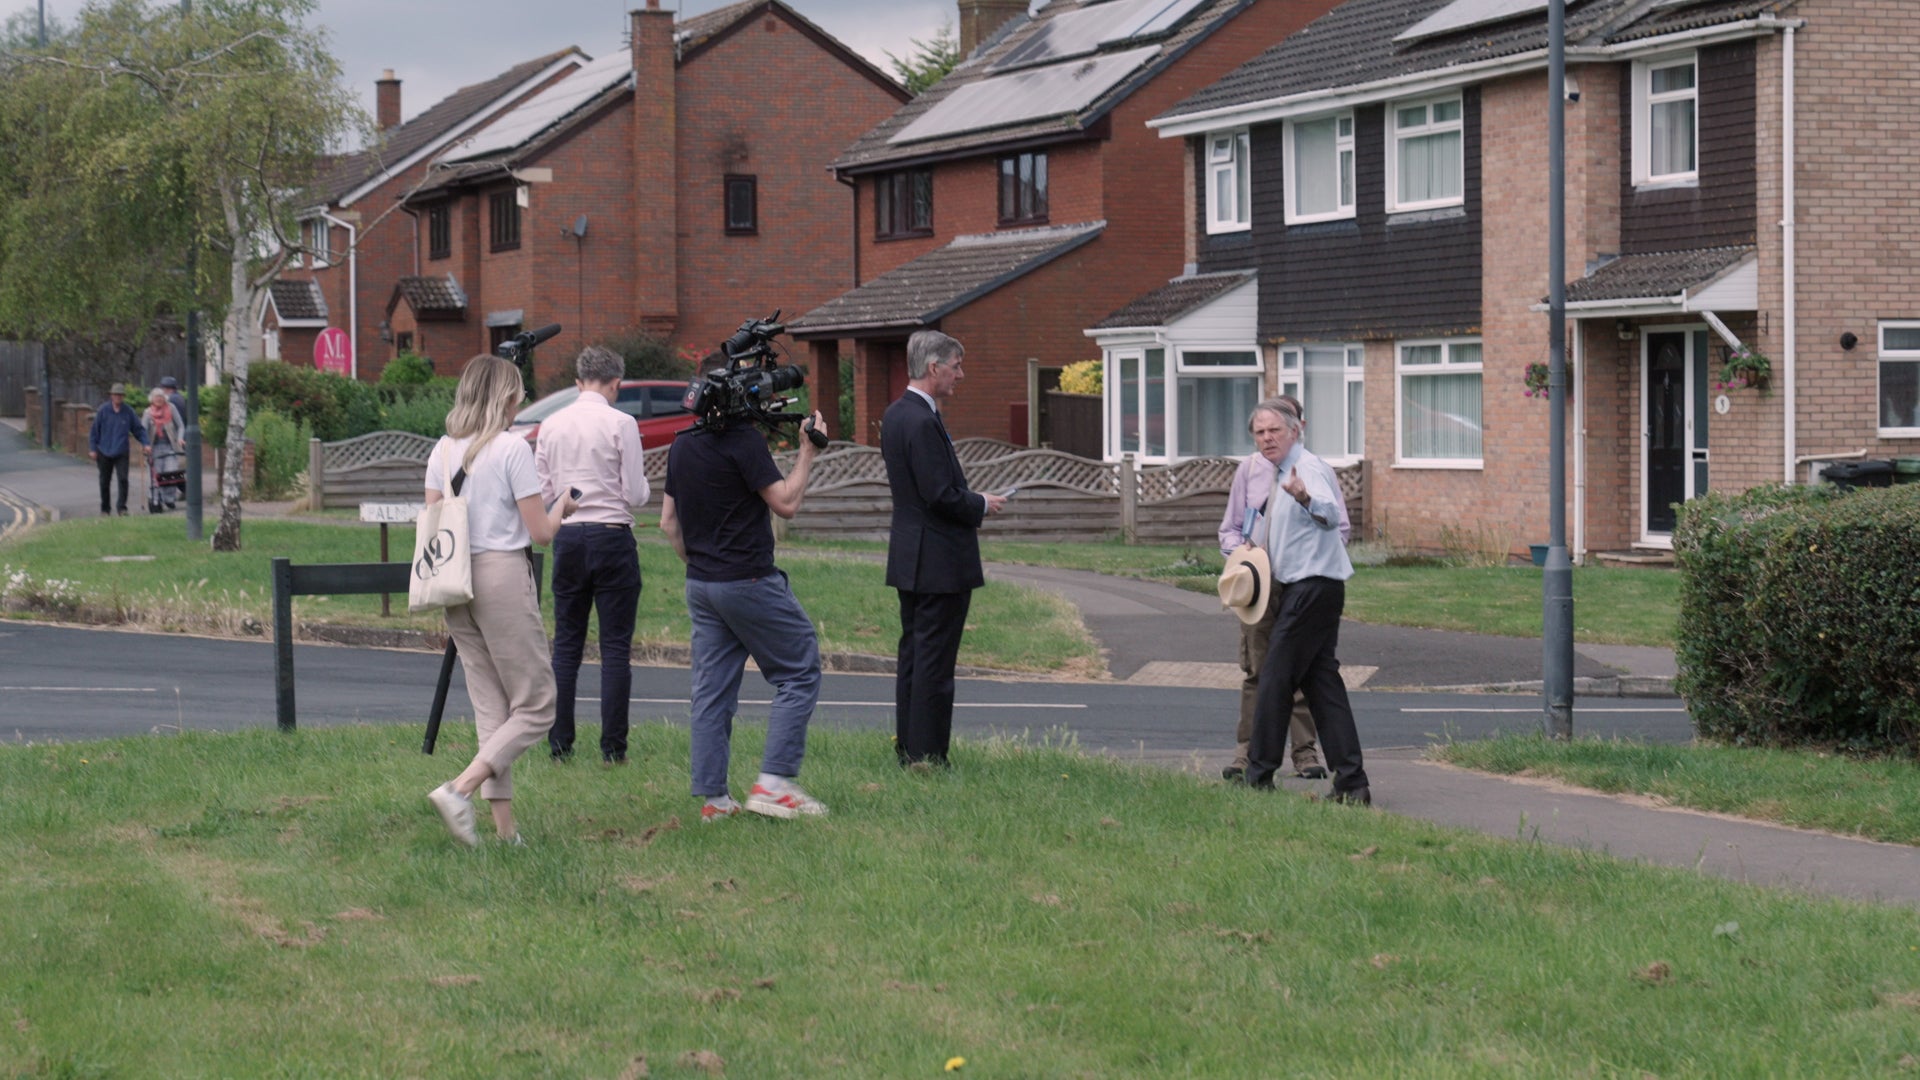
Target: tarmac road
<point>65,683</point>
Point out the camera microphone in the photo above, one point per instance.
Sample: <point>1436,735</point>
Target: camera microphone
<point>516,347</point>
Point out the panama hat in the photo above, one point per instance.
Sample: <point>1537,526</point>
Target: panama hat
<point>1246,583</point>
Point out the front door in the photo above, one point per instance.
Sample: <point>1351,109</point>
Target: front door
<point>1674,400</point>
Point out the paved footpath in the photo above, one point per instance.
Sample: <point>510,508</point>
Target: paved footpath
<point>1163,636</point>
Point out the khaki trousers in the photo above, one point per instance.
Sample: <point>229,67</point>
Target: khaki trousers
<point>1253,652</point>
<point>503,649</point>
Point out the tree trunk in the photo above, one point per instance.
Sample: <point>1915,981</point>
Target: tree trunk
<point>239,352</point>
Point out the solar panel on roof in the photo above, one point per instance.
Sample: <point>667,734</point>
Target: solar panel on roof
<point>1464,13</point>
<point>1154,18</point>
<point>1074,33</point>
<point>545,109</point>
<point>1027,94</point>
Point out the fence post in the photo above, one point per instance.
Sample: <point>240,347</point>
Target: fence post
<point>283,641</point>
<point>316,471</point>
<point>1129,499</point>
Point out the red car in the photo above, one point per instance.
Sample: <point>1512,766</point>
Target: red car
<point>654,404</point>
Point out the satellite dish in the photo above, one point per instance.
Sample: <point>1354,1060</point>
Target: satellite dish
<point>580,226</point>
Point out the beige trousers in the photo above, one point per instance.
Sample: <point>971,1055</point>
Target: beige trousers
<point>503,649</point>
<point>1253,653</point>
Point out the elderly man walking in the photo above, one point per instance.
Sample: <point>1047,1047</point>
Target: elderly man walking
<point>116,427</point>
<point>594,449</point>
<point>1310,572</point>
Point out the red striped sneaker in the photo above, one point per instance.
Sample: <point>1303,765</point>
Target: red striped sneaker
<point>790,803</point>
<point>716,811</point>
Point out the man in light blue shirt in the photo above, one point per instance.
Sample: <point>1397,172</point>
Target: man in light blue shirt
<point>1310,572</point>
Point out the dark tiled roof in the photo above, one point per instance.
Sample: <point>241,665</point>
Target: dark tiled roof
<point>1656,276</point>
<point>873,149</point>
<point>351,170</point>
<point>299,298</point>
<point>432,294</point>
<point>1694,16</point>
<point>944,280</point>
<point>1172,300</point>
<point>1353,45</point>
<point>694,30</point>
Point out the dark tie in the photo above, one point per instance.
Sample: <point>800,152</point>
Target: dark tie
<point>943,425</point>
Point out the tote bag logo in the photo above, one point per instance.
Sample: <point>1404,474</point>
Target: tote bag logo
<point>436,553</point>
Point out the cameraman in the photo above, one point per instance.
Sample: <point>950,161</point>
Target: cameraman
<point>720,487</point>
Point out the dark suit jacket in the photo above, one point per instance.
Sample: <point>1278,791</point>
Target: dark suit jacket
<point>934,546</point>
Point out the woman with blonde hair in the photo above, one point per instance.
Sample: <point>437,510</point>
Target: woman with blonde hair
<point>502,641</point>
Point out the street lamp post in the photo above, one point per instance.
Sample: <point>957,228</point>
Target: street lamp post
<point>1556,584</point>
<point>46,369</point>
<point>195,367</point>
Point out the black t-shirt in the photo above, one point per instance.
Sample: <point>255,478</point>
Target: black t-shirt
<point>715,480</point>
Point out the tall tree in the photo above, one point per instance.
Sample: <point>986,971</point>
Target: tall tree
<point>159,132</point>
<point>929,61</point>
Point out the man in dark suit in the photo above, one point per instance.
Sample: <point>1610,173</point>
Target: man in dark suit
<point>933,551</point>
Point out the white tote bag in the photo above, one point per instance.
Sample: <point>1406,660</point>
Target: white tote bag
<point>442,563</point>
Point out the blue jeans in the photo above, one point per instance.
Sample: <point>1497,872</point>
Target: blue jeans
<point>733,620</point>
<point>594,567</point>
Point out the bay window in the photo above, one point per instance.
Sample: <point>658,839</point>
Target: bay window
<point>1330,382</point>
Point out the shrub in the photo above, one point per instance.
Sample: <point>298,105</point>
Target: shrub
<point>1081,378</point>
<point>647,357</point>
<point>213,416</point>
<point>407,369</point>
<point>1800,617</point>
<point>423,411</point>
<point>280,451</point>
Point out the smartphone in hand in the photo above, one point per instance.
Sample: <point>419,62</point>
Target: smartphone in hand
<point>1009,493</point>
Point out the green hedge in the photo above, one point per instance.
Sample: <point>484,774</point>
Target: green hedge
<point>280,452</point>
<point>1800,617</point>
<point>332,407</point>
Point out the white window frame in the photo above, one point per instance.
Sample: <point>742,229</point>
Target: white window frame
<point>1395,133</point>
<point>1643,102</point>
<point>1447,366</point>
<point>1343,167</point>
<point>1237,164</point>
<point>1902,356</point>
<point>1181,371</point>
<point>1293,374</point>
<point>320,255</point>
<point>1251,350</point>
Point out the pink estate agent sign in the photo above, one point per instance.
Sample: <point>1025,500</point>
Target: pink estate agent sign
<point>333,351</point>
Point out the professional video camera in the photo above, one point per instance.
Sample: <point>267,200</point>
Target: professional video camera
<point>750,386</point>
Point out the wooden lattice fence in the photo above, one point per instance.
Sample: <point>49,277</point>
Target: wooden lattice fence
<point>1062,497</point>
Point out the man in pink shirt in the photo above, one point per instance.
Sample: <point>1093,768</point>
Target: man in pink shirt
<point>594,449</point>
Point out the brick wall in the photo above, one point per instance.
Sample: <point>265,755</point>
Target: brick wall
<point>1858,215</point>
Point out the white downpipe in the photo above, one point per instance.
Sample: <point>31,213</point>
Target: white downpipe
<point>353,290</point>
<point>1579,442</point>
<point>1788,256</point>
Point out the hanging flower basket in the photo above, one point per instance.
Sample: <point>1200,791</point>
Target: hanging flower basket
<point>1537,380</point>
<point>1746,366</point>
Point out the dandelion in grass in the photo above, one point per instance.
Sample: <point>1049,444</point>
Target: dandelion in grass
<point>955,1064</point>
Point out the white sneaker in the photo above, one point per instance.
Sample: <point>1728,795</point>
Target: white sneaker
<point>457,811</point>
<point>790,803</point>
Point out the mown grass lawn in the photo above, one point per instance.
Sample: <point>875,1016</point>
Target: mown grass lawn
<point>268,905</point>
<point>1878,798</point>
<point>145,571</point>
<point>1612,605</point>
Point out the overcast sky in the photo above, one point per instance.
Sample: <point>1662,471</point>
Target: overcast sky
<point>438,46</point>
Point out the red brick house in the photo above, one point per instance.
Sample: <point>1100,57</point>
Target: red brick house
<point>1022,198</point>
<point>1730,182</point>
<point>706,204</point>
<point>357,242</point>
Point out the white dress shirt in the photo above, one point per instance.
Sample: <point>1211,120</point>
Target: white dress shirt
<point>595,447</point>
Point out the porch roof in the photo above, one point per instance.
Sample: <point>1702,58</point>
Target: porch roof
<point>1169,302</point>
<point>1695,279</point>
<point>942,281</point>
<point>430,295</point>
<point>298,302</point>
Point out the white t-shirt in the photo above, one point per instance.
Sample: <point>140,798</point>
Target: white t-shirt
<point>501,476</point>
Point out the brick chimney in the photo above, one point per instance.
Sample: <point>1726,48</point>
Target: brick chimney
<point>657,267</point>
<point>386,98</point>
<point>980,18</point>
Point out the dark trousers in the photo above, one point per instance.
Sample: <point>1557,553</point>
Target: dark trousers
<point>1300,655</point>
<point>930,628</point>
<point>594,568</point>
<point>109,468</point>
